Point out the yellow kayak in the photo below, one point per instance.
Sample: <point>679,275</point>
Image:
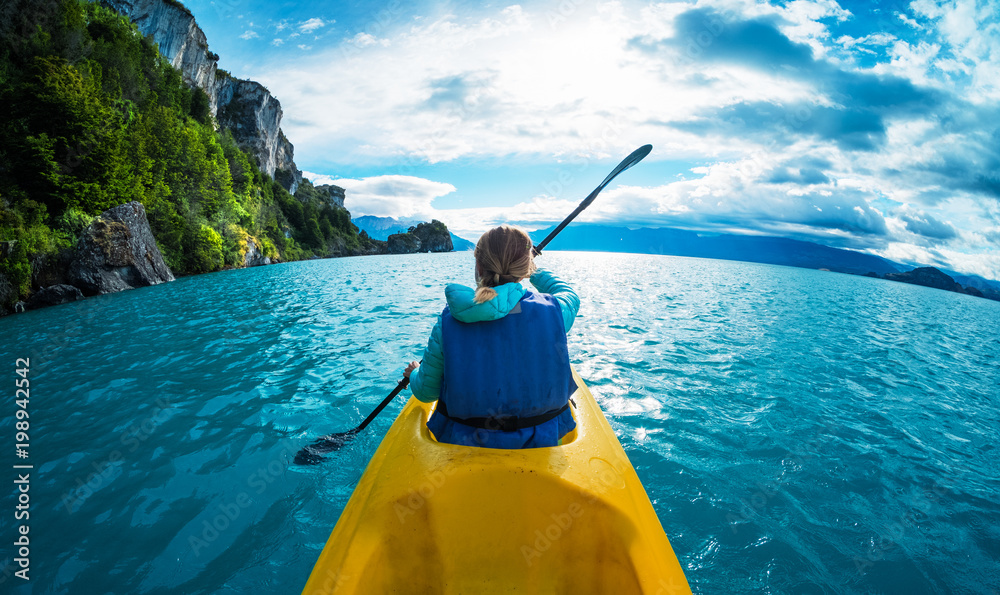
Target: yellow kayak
<point>428,517</point>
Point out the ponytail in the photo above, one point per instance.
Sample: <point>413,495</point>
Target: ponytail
<point>503,255</point>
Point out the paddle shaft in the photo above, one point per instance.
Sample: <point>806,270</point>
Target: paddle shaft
<point>399,387</point>
<point>579,209</point>
<point>313,454</point>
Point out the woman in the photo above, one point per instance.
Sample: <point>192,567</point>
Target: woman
<point>497,360</point>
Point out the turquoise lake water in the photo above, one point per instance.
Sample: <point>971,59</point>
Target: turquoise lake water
<point>797,431</point>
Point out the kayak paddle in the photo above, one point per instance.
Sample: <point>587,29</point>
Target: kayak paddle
<point>312,454</point>
<point>626,163</point>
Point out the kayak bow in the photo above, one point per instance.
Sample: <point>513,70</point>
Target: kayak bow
<point>428,517</point>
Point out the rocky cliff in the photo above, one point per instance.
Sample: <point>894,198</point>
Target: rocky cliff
<point>116,252</point>
<point>244,107</point>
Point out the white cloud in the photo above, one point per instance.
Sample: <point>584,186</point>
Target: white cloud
<point>805,21</point>
<point>879,39</point>
<point>249,34</point>
<point>912,61</point>
<point>388,195</point>
<point>311,25</point>
<point>277,41</point>
<point>972,31</point>
<point>910,22</point>
<point>362,40</point>
<point>305,47</point>
<point>522,86</point>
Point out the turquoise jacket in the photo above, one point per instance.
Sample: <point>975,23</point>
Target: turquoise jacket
<point>425,382</point>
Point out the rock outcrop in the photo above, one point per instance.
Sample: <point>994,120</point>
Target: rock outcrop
<point>254,257</point>
<point>116,252</point>
<point>244,107</point>
<point>433,236</point>
<point>334,194</point>
<point>403,243</point>
<point>425,237</point>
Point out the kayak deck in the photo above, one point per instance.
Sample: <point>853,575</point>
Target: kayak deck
<point>428,517</point>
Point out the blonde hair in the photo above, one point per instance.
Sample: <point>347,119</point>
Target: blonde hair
<point>503,255</point>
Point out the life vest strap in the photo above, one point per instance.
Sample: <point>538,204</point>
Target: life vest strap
<point>503,423</point>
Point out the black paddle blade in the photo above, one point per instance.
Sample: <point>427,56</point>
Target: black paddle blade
<point>634,157</point>
<point>314,453</point>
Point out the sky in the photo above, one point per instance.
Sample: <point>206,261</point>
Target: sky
<point>873,126</point>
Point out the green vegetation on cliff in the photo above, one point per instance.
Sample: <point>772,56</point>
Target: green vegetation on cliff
<point>323,226</point>
<point>94,117</point>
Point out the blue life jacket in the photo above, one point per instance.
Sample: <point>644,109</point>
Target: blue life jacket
<point>493,370</point>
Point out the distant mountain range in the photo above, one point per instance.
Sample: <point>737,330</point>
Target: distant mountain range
<point>767,250</point>
<point>677,242</point>
<point>380,228</point>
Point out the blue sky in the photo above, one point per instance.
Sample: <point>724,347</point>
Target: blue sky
<point>871,126</point>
